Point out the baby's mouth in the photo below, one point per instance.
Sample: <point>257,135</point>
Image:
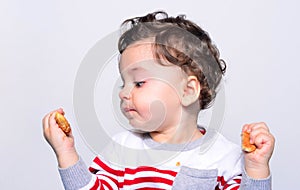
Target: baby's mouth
<point>127,109</point>
<point>128,112</point>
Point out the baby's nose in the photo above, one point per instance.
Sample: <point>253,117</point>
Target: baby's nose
<point>125,93</point>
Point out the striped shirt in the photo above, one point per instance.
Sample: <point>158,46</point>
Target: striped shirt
<point>185,166</point>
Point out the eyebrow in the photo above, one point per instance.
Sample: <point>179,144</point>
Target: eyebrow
<point>134,69</point>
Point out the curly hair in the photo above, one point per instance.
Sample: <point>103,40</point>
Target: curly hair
<point>182,43</point>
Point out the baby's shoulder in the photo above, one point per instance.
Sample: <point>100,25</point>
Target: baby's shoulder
<point>225,146</point>
<point>129,139</point>
<point>222,142</point>
<point>216,146</point>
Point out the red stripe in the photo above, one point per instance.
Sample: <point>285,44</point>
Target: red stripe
<point>223,183</point>
<point>96,185</point>
<point>146,168</point>
<point>107,168</point>
<point>237,181</point>
<point>115,181</point>
<point>202,130</point>
<point>148,179</point>
<point>103,182</point>
<point>93,170</point>
<point>226,186</point>
<point>221,180</point>
<point>121,173</point>
<point>129,170</point>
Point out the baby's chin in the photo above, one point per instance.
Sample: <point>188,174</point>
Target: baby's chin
<point>144,128</point>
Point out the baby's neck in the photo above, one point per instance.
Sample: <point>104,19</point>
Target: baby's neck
<point>177,135</point>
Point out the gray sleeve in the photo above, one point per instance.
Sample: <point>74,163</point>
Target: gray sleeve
<point>257,184</point>
<point>76,176</point>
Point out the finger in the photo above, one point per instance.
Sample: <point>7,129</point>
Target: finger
<point>264,141</point>
<point>70,134</point>
<point>46,124</point>
<point>46,120</point>
<point>52,121</point>
<point>256,129</point>
<point>60,110</point>
<point>261,126</point>
<point>255,137</point>
<point>254,126</point>
<point>246,128</point>
<point>257,132</point>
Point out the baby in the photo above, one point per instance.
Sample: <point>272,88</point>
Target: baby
<point>170,71</point>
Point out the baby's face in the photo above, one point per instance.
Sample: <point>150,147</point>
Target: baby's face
<point>150,95</point>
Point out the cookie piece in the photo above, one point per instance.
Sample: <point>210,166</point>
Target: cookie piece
<point>62,122</point>
<point>246,146</point>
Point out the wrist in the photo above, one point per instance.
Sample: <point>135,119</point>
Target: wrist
<point>261,172</point>
<point>67,158</point>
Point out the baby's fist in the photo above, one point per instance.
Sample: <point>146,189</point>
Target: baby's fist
<point>257,162</point>
<point>61,142</point>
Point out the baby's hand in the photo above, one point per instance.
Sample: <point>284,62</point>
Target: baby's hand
<point>257,162</point>
<point>62,144</point>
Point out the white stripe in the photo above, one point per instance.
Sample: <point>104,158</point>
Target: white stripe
<point>235,178</point>
<point>109,181</point>
<point>101,173</point>
<point>148,184</point>
<point>148,174</point>
<point>232,186</point>
<point>110,165</point>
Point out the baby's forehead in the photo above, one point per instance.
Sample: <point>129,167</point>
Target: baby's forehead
<point>140,55</point>
<point>142,67</point>
<point>152,69</point>
<point>139,58</point>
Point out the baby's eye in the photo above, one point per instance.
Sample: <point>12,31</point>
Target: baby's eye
<point>139,84</point>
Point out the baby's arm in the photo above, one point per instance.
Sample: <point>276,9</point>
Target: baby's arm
<point>72,169</point>
<point>257,170</point>
<point>62,144</point>
<point>257,162</point>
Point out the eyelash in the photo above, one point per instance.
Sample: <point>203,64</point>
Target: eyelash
<point>139,84</point>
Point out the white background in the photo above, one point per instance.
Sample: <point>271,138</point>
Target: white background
<point>42,44</point>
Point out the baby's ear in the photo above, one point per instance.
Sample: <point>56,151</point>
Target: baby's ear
<point>191,91</point>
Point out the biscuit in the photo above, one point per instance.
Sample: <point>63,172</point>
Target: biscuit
<point>246,146</point>
<point>62,123</point>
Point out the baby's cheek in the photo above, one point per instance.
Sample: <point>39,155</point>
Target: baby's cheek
<point>153,109</point>
<point>142,105</point>
<point>157,115</point>
<point>153,114</point>
<point>158,111</point>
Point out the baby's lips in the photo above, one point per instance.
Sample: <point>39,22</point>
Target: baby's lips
<point>128,109</point>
